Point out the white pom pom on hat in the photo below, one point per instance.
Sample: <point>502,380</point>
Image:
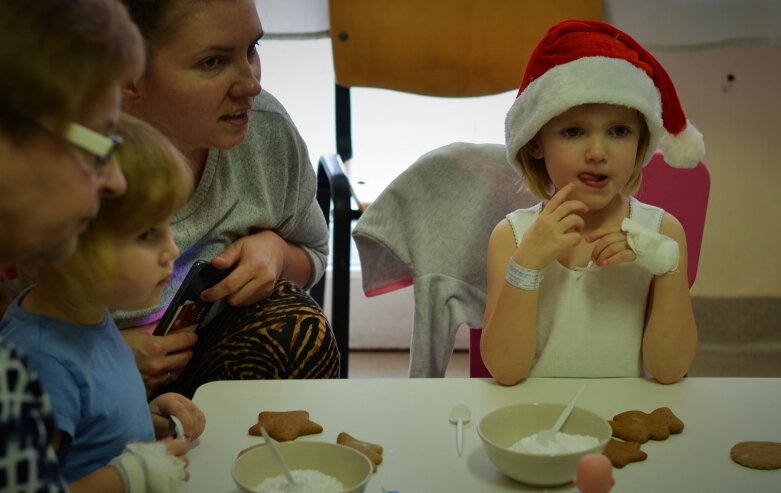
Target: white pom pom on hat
<point>581,62</point>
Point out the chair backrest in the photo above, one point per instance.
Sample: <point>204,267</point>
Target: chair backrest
<point>453,48</point>
<point>684,194</point>
<point>442,48</point>
<point>681,192</point>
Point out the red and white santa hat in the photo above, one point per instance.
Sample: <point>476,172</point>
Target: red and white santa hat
<point>580,62</point>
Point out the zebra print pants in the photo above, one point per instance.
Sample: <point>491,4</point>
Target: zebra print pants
<point>285,336</point>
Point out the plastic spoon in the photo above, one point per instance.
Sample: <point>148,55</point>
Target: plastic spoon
<point>546,436</point>
<point>458,416</point>
<point>278,458</point>
<point>178,428</point>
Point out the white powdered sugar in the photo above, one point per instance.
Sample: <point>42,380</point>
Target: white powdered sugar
<point>563,443</point>
<point>308,481</point>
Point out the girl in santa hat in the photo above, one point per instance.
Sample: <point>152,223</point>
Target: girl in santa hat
<point>591,282</point>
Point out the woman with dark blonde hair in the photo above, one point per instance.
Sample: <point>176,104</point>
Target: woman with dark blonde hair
<point>253,209</point>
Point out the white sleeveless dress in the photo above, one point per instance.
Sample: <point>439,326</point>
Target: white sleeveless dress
<point>590,320</point>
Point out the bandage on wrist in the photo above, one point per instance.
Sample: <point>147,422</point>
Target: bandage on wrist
<point>522,277</point>
<point>655,252</point>
<point>147,467</point>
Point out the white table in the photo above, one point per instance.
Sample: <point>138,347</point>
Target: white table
<point>409,418</point>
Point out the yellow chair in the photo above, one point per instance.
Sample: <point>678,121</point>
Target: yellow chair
<point>446,48</point>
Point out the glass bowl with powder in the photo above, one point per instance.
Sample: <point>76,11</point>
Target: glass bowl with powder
<point>509,436</point>
<point>320,467</point>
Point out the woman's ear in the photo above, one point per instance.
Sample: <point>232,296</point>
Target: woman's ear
<point>534,148</point>
<point>131,94</point>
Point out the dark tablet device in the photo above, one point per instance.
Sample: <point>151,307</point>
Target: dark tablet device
<point>187,311</point>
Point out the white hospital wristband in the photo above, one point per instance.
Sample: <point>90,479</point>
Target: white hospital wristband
<point>522,277</point>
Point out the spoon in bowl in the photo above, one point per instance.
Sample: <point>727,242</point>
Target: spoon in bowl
<point>278,458</point>
<point>544,437</point>
<point>458,416</point>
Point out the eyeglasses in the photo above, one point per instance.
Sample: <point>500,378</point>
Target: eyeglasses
<point>97,144</point>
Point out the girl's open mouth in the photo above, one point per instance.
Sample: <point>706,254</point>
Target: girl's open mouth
<point>593,180</point>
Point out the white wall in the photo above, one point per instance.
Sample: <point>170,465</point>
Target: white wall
<point>741,123</point>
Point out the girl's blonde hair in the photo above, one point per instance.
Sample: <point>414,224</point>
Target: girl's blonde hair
<point>159,183</point>
<point>538,182</point>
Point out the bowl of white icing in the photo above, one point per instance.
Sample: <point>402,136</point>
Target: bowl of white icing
<point>509,436</point>
<point>317,467</point>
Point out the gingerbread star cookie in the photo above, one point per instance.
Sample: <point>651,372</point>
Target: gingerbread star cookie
<point>622,453</point>
<point>757,455</point>
<point>284,426</point>
<point>637,426</point>
<point>370,450</point>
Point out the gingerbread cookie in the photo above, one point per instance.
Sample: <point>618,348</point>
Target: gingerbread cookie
<point>757,455</point>
<point>637,426</point>
<point>622,453</point>
<point>284,426</point>
<point>370,450</point>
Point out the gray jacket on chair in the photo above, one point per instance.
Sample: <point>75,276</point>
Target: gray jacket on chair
<point>431,227</point>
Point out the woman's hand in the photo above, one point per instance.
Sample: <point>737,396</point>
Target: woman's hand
<point>172,404</point>
<point>558,227</point>
<point>259,261</point>
<point>610,247</point>
<point>160,359</point>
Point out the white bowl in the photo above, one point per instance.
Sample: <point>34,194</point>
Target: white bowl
<point>502,428</point>
<point>345,464</point>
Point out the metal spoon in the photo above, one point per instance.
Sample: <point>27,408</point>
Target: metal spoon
<point>458,416</point>
<point>546,436</point>
<point>278,458</point>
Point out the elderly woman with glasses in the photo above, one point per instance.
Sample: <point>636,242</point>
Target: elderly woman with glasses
<point>64,62</point>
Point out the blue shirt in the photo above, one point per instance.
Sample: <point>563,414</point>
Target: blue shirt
<point>90,374</point>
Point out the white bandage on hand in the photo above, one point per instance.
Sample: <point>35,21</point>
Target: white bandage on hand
<point>148,468</point>
<point>655,252</point>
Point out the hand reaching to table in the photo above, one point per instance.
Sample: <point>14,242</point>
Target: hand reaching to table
<point>172,404</point>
